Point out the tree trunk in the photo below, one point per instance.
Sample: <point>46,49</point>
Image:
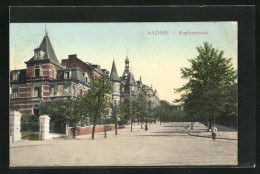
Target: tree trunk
<point>146,125</point>
<point>116,128</point>
<point>93,131</point>
<point>105,130</point>
<point>94,126</point>
<point>131,125</point>
<point>74,130</point>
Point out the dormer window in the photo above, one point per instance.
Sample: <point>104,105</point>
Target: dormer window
<point>66,75</point>
<point>15,76</point>
<point>37,71</point>
<point>38,54</point>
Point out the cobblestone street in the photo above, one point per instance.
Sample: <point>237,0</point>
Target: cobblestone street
<point>169,144</point>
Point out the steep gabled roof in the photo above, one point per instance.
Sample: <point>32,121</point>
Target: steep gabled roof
<point>48,50</point>
<point>46,46</point>
<point>113,74</point>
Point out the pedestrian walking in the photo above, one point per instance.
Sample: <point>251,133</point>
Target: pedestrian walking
<point>214,132</point>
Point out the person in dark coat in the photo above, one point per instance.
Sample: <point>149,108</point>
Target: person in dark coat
<point>214,132</point>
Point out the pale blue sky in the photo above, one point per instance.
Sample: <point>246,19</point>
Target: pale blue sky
<point>156,58</point>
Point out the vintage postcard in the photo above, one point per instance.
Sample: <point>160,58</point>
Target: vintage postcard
<point>124,94</point>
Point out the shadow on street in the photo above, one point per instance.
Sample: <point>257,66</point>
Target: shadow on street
<point>32,145</point>
<point>170,132</point>
<point>160,135</point>
<point>210,137</point>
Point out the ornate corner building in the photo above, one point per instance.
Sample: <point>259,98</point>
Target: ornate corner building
<point>46,79</point>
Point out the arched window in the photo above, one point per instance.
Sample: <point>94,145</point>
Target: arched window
<point>37,71</point>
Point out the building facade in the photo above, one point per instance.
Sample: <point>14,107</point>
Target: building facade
<point>46,79</point>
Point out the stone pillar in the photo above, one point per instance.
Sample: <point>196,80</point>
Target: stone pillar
<point>44,127</point>
<point>15,126</point>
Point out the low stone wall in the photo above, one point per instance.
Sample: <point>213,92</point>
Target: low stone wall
<point>88,130</point>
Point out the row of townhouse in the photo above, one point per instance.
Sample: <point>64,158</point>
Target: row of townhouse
<point>46,79</point>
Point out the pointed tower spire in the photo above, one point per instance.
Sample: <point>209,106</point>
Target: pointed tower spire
<point>47,51</point>
<point>126,71</point>
<point>113,74</point>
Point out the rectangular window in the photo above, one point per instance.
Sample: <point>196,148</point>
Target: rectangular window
<point>60,89</point>
<point>37,92</point>
<point>37,72</point>
<point>52,73</point>
<point>67,75</point>
<point>114,88</point>
<point>52,91</point>
<point>86,79</point>
<point>36,111</point>
<point>80,92</point>
<point>15,93</point>
<point>15,76</point>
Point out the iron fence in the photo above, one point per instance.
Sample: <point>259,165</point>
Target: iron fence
<point>29,126</point>
<point>58,127</point>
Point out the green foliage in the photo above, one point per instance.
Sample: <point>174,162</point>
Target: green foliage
<point>29,135</point>
<point>141,107</point>
<point>26,117</point>
<point>169,112</point>
<point>126,110</point>
<point>135,108</point>
<point>95,105</point>
<point>212,89</point>
<point>116,112</point>
<point>58,111</point>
